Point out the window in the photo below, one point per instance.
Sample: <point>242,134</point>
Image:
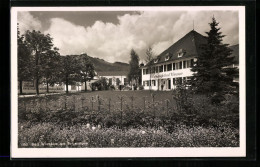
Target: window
<point>110,81</point>
<point>117,81</point>
<point>165,68</point>
<point>143,83</point>
<point>161,68</point>
<point>169,67</point>
<point>181,52</point>
<point>173,81</point>
<point>184,79</point>
<point>144,71</point>
<point>156,69</point>
<point>148,83</point>
<point>153,83</point>
<point>147,71</point>
<point>173,66</point>
<point>125,81</point>
<point>192,62</point>
<point>180,65</point>
<point>184,64</point>
<point>167,57</point>
<point>188,63</point>
<point>153,69</point>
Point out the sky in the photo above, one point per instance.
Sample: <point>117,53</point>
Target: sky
<point>110,35</point>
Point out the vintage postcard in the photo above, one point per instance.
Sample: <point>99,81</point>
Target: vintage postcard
<point>128,82</point>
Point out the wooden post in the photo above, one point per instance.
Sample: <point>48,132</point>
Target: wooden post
<point>92,101</point>
<point>82,103</point>
<point>109,104</point>
<point>74,100</point>
<point>144,102</point>
<point>65,102</point>
<point>121,116</point>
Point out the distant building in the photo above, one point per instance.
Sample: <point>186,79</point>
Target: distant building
<point>115,78</point>
<point>175,63</point>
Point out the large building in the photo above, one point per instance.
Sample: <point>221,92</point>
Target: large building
<point>174,64</point>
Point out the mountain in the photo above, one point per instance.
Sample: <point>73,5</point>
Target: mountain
<point>102,65</point>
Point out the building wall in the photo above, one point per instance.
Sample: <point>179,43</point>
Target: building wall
<point>113,79</point>
<point>167,77</point>
<point>73,88</point>
<point>88,84</point>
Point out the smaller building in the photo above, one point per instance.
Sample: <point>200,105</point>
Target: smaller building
<point>115,78</point>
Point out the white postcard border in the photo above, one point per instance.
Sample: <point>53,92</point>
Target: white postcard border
<point>127,152</point>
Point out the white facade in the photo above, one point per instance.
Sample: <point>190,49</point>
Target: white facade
<point>116,80</point>
<point>165,75</point>
<point>73,88</point>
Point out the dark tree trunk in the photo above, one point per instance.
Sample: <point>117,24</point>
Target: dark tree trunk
<point>21,86</point>
<point>37,73</point>
<point>67,85</point>
<point>37,86</point>
<point>47,87</point>
<point>85,86</point>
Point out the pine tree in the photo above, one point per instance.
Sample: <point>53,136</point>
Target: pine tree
<point>213,71</point>
<point>134,74</point>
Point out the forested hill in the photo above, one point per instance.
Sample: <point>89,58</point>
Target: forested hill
<point>102,65</point>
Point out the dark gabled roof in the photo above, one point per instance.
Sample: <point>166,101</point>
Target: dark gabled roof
<point>235,53</point>
<point>189,44</point>
<point>112,73</point>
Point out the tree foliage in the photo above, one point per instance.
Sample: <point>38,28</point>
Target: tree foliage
<point>50,63</point>
<point>149,57</point>
<point>134,74</point>
<point>39,45</point>
<point>87,69</point>
<point>24,61</point>
<point>70,70</point>
<point>213,72</point>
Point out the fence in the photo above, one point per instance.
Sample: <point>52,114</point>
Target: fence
<point>77,103</point>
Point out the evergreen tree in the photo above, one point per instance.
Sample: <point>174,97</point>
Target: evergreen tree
<point>213,69</point>
<point>134,74</point>
<point>149,57</point>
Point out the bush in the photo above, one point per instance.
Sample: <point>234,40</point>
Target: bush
<point>101,84</point>
<point>112,87</point>
<point>121,87</point>
<point>89,135</point>
<point>127,87</point>
<point>141,87</point>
